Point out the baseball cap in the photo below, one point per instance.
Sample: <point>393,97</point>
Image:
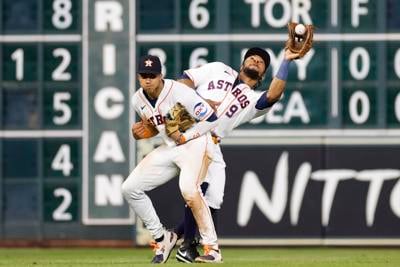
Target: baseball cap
<point>259,52</point>
<point>149,64</point>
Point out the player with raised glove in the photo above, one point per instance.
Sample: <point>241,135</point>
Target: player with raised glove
<point>252,72</point>
<point>296,47</point>
<point>300,38</point>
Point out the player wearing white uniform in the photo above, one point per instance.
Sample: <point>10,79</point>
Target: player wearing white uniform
<point>236,103</point>
<point>153,102</point>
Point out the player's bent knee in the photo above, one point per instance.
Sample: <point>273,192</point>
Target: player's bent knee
<point>131,190</point>
<point>125,190</point>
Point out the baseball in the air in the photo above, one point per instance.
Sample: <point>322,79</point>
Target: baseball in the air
<point>300,29</point>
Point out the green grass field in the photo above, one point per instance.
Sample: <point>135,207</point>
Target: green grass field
<point>250,257</point>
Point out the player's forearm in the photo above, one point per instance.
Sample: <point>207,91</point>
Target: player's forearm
<point>278,84</point>
<point>275,90</point>
<point>199,129</point>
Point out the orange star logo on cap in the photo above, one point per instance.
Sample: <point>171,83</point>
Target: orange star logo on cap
<point>148,63</point>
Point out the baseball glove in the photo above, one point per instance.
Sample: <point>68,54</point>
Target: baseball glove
<point>178,119</point>
<point>143,129</point>
<point>300,44</point>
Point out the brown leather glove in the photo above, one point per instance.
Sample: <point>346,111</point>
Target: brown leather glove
<point>300,43</point>
<point>178,119</point>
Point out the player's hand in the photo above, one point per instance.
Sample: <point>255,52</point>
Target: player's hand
<point>137,130</point>
<point>289,55</point>
<point>143,130</point>
<point>178,137</point>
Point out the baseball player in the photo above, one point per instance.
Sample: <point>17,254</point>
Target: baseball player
<point>152,102</point>
<point>236,102</point>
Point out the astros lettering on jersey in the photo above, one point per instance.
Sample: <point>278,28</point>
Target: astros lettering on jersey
<point>238,102</point>
<point>172,93</point>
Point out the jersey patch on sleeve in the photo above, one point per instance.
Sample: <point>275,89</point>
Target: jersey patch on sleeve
<point>200,110</point>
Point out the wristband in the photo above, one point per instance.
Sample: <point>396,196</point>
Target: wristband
<point>283,70</point>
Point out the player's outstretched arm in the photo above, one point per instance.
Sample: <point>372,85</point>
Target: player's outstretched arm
<point>278,83</point>
<point>198,129</point>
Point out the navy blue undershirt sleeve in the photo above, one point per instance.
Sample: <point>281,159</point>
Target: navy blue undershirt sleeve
<point>262,102</point>
<point>184,76</point>
<point>212,118</point>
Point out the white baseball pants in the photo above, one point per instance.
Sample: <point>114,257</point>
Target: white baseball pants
<point>161,165</point>
<point>216,180</point>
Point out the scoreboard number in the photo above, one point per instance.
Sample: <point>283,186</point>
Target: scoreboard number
<point>359,115</point>
<point>18,57</point>
<point>195,59</point>
<point>199,16</point>
<point>62,17</point>
<point>59,73</point>
<point>359,54</point>
<point>60,213</point>
<point>62,160</point>
<point>59,104</point>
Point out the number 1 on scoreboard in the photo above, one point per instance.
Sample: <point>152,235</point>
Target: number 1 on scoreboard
<point>18,57</point>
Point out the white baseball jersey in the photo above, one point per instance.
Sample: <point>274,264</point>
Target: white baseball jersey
<point>239,104</point>
<point>219,82</point>
<point>239,107</point>
<point>189,160</point>
<point>172,93</point>
<point>213,80</point>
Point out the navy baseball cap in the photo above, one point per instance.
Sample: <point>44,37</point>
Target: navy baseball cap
<point>149,64</point>
<point>259,52</point>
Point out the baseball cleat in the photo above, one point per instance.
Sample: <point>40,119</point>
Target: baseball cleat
<point>211,255</point>
<point>164,248</point>
<point>187,252</point>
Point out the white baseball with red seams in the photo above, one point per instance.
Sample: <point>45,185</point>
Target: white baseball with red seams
<point>300,29</point>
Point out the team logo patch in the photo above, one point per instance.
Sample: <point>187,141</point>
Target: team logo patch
<point>200,110</point>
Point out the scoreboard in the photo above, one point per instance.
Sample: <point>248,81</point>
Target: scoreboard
<point>67,73</point>
<point>41,115</point>
<point>349,80</point>
<point>57,126</point>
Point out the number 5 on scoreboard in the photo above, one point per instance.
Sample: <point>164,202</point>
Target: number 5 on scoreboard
<point>60,105</point>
